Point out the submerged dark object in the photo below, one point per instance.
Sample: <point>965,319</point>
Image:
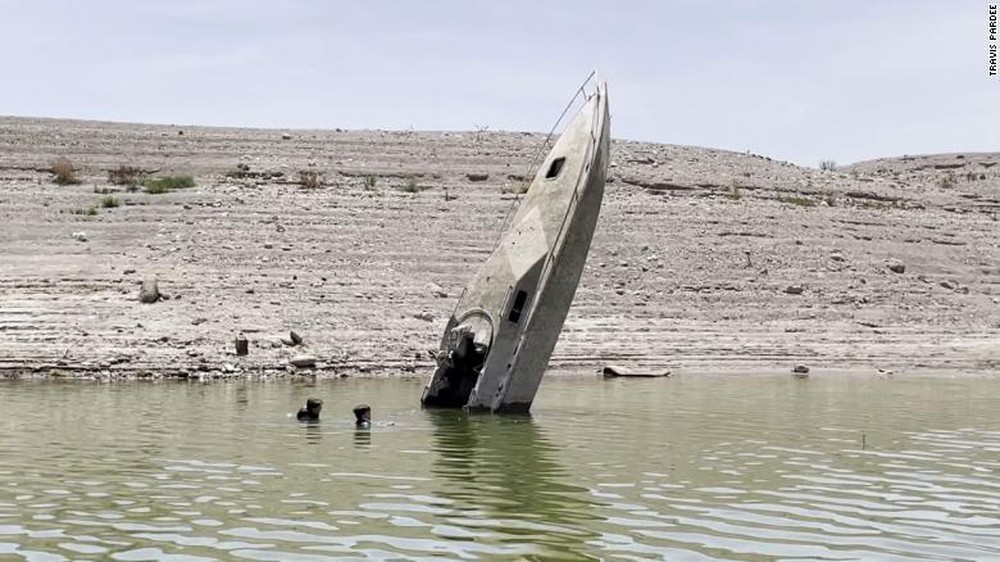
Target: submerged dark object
<point>499,339</point>
<point>310,412</point>
<point>362,416</point>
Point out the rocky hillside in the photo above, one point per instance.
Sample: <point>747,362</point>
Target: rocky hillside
<point>704,260</point>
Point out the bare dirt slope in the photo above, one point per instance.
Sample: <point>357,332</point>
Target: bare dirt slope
<point>703,259</point>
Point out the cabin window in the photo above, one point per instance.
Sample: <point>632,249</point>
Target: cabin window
<point>555,167</point>
<point>518,308</point>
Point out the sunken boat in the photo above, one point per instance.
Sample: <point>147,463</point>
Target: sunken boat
<point>499,339</point>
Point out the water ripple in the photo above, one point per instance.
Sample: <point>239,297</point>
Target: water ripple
<point>708,469</point>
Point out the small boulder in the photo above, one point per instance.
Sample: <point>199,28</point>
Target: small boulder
<point>437,291</point>
<point>303,361</point>
<point>150,291</point>
<point>80,236</point>
<point>800,369</point>
<point>897,266</point>
<point>425,316</point>
<point>477,177</point>
<point>296,339</point>
<point>794,290</point>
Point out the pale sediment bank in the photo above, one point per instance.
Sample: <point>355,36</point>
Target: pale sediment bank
<point>703,261</point>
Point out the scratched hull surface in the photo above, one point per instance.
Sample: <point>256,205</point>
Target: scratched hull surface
<point>498,342</point>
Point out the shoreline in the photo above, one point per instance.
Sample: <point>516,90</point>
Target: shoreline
<point>703,259</point>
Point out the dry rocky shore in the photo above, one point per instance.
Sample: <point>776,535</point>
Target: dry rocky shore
<point>704,260</point>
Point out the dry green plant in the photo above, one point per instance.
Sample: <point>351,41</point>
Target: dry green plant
<point>798,201</point>
<point>734,192</point>
<point>157,186</point>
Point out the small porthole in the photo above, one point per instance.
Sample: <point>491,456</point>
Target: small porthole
<point>555,167</point>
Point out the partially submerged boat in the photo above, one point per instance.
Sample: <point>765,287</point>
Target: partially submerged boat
<point>498,341</point>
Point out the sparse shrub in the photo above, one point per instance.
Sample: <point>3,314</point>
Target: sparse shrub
<point>239,172</point>
<point>798,201</point>
<point>830,200</point>
<point>946,181</point>
<point>310,178</point>
<point>89,211</point>
<point>102,190</point>
<point>873,205</point>
<point>65,173</point>
<point>126,175</point>
<point>734,191</point>
<point>411,185</point>
<point>167,183</point>
<point>110,202</point>
<point>481,131</point>
<point>828,165</point>
<point>156,189</point>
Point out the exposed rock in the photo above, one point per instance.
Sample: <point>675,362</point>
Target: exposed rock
<point>477,177</point>
<point>150,291</point>
<point>80,236</point>
<point>286,136</point>
<point>437,291</point>
<point>296,339</point>
<point>947,284</point>
<point>425,316</point>
<point>794,289</point>
<point>303,361</point>
<point>897,266</point>
<point>800,369</point>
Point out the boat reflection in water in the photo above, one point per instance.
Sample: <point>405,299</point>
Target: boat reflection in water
<point>502,477</point>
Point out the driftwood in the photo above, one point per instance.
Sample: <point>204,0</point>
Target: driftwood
<point>613,371</point>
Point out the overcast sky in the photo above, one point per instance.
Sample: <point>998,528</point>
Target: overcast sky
<point>796,80</point>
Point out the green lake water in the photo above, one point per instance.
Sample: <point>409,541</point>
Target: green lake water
<point>706,468</point>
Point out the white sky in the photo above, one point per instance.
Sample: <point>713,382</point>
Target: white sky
<point>800,80</point>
